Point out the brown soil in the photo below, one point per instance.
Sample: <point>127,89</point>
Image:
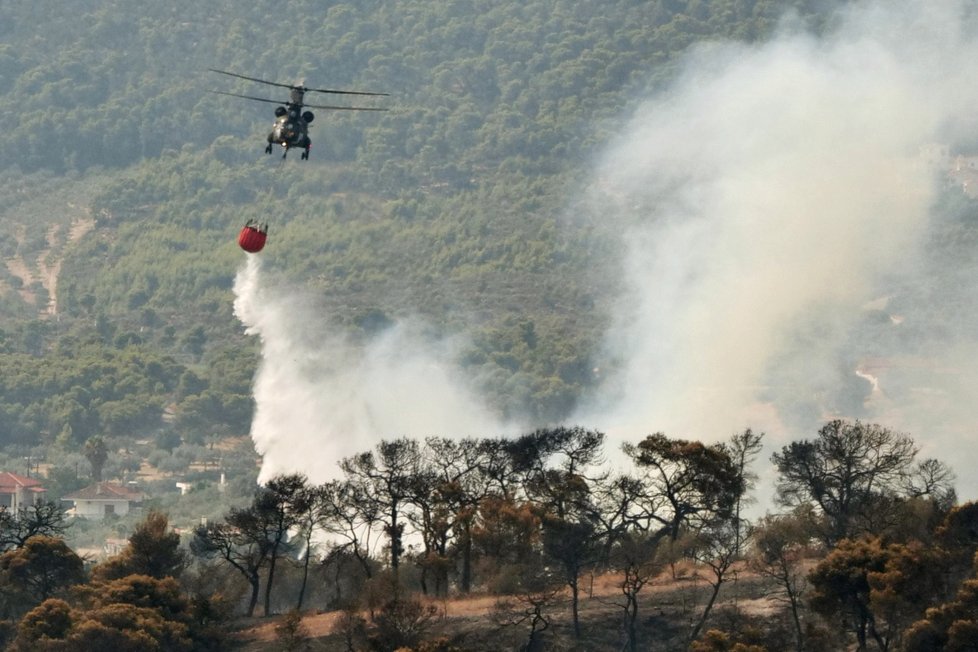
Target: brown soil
<point>47,266</point>
<point>49,269</point>
<point>667,605</point>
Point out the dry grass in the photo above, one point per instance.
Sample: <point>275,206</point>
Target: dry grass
<point>668,604</point>
<point>321,624</point>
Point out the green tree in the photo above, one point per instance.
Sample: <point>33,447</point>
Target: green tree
<point>240,543</point>
<point>913,578</point>
<point>555,463</point>
<point>345,513</point>
<point>530,606</point>
<point>41,518</point>
<point>781,545</point>
<point>719,641</point>
<point>384,482</point>
<point>42,568</point>
<point>50,620</point>
<point>715,548</point>
<point>97,454</point>
<point>446,490</point>
<point>635,556</point>
<point>692,484</point>
<point>957,536</point>
<point>572,544</point>
<point>744,449</point>
<point>292,635</point>
<point>136,613</point>
<point>254,537</point>
<point>307,508</point>
<point>506,535</point>
<point>153,550</point>
<point>853,473</point>
<point>281,506</point>
<point>841,589</point>
<point>951,626</point>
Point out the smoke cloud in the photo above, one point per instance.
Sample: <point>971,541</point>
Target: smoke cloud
<point>777,211</point>
<point>321,398</point>
<point>781,263</point>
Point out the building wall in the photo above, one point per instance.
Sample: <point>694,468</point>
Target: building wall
<point>20,498</point>
<point>99,508</point>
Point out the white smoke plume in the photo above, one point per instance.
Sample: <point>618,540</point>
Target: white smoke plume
<point>767,198</point>
<point>772,200</point>
<point>320,399</point>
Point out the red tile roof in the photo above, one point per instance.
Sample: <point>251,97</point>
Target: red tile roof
<point>10,482</point>
<point>105,491</point>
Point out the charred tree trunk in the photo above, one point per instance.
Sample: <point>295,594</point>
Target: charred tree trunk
<point>253,580</point>
<point>706,612</point>
<point>465,581</point>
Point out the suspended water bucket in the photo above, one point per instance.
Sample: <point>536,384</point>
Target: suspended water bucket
<point>252,237</point>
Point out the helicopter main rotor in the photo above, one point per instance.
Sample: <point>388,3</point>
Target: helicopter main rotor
<point>295,87</point>
<point>311,106</point>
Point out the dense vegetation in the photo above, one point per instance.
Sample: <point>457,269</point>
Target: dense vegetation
<point>476,82</point>
<point>452,205</point>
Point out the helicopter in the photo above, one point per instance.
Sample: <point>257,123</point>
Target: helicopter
<point>291,127</point>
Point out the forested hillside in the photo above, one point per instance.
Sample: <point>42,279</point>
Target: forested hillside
<point>457,205</point>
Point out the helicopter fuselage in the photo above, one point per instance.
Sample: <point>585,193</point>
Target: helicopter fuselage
<point>291,129</point>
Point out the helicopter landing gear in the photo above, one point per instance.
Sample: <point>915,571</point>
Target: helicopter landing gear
<point>268,150</point>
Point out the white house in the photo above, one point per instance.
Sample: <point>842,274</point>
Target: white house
<point>104,499</point>
<point>16,491</point>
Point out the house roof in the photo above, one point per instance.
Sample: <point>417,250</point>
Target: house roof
<point>10,482</point>
<point>105,491</point>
